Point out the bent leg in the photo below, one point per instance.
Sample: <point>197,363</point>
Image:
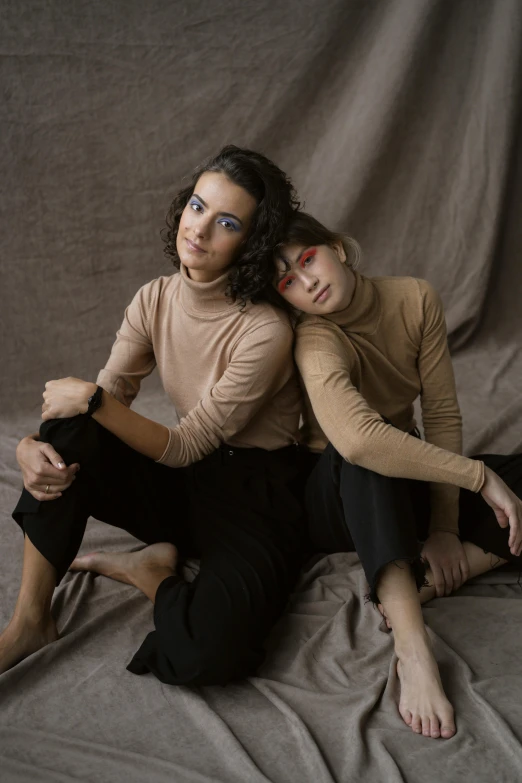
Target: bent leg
<point>116,485</point>
<point>250,524</point>
<point>352,508</point>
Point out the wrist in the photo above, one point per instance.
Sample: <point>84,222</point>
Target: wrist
<point>95,401</point>
<point>89,391</point>
<point>487,476</point>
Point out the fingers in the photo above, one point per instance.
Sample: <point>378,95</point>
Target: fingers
<point>53,456</point>
<point>515,528</point>
<point>464,569</point>
<point>438,580</point>
<point>49,487</point>
<point>457,576</point>
<point>515,537</point>
<point>44,495</point>
<point>45,473</point>
<point>448,579</point>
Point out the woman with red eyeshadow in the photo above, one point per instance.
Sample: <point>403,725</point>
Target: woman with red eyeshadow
<point>422,517</point>
<point>219,485</point>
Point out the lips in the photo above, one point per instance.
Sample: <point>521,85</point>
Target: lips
<point>195,248</point>
<point>323,290</point>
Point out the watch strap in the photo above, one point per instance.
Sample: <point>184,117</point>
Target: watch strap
<point>95,400</point>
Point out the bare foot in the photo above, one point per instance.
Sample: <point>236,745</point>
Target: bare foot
<point>132,568</point>
<point>423,704</point>
<point>22,638</point>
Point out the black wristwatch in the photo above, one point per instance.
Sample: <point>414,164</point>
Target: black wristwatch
<point>94,402</point>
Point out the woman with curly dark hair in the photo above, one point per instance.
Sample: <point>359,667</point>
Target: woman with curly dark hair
<point>221,484</point>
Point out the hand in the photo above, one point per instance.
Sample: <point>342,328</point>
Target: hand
<point>506,506</point>
<point>66,398</point>
<point>42,466</point>
<point>448,562</point>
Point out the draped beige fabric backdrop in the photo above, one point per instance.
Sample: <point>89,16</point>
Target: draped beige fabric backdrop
<point>400,122</point>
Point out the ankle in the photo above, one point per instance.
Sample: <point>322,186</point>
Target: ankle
<point>32,616</point>
<point>414,645</point>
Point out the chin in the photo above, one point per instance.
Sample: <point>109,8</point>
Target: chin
<point>188,260</point>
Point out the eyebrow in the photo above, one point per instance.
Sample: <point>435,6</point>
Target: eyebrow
<point>289,264</point>
<point>224,214</point>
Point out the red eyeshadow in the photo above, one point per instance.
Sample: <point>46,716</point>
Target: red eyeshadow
<point>307,254</point>
<point>281,284</point>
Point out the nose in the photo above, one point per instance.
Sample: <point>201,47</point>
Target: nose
<point>310,281</point>
<point>200,225</point>
<point>200,228</point>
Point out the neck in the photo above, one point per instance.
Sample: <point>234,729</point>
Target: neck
<point>350,288</point>
<point>203,276</point>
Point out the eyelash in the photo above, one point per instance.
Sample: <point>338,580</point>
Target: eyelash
<point>282,287</point>
<point>231,226</point>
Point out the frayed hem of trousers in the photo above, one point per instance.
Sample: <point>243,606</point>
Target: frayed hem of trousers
<point>418,566</point>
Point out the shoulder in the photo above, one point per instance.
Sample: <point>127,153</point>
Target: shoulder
<point>153,294</point>
<point>160,286</point>
<point>309,325</point>
<point>316,340</point>
<point>263,328</point>
<point>266,317</point>
<point>407,288</point>
<point>411,297</point>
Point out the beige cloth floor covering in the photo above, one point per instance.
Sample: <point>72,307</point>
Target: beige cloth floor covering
<point>399,121</point>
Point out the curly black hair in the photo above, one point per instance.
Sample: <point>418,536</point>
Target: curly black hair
<point>251,274</point>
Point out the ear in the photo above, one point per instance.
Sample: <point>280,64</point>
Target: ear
<point>340,252</point>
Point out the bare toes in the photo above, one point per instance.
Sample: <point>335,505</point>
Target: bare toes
<point>448,731</point>
<point>435,728</point>
<point>416,724</point>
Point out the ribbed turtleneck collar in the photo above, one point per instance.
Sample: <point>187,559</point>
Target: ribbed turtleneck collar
<point>205,299</point>
<point>364,311</point>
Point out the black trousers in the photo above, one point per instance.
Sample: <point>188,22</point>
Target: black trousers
<point>385,519</point>
<point>239,510</point>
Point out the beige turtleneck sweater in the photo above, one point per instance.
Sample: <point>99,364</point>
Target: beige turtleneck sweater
<point>228,372</point>
<point>374,359</point>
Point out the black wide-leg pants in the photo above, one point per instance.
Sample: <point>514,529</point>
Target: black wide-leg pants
<point>238,510</point>
<point>386,519</point>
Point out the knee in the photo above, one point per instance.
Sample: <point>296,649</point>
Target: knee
<point>71,437</point>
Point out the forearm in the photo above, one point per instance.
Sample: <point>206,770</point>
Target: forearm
<point>443,428</point>
<point>141,434</point>
<point>363,438</point>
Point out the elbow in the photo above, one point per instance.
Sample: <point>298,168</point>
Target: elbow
<point>353,452</point>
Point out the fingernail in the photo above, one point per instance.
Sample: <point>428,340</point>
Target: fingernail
<point>61,465</point>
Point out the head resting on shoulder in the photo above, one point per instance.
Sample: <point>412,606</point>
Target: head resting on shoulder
<point>228,220</point>
<point>313,267</point>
